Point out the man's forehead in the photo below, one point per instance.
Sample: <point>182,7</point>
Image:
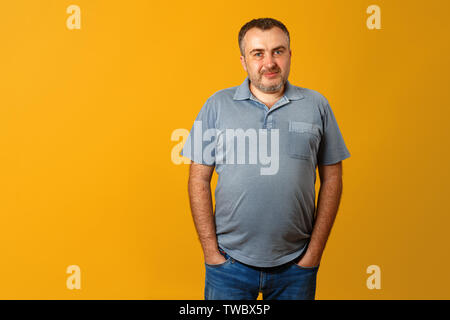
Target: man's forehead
<point>256,38</point>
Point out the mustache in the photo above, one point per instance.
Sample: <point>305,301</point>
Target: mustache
<point>271,71</point>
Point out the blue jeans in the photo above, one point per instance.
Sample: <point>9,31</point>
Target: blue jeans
<point>233,280</point>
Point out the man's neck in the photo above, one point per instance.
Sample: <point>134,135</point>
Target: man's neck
<point>269,99</point>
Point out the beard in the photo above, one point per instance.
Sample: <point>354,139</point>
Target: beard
<point>257,81</point>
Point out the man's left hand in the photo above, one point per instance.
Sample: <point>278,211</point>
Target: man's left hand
<point>307,261</point>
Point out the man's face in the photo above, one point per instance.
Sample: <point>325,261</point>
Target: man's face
<point>267,58</point>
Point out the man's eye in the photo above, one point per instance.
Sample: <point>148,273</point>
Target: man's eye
<point>279,51</point>
<point>258,54</point>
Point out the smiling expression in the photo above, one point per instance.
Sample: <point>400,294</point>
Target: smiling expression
<point>267,58</point>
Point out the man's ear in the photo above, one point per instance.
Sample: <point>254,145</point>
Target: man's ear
<point>243,63</point>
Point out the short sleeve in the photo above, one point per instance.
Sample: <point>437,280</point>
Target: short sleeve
<point>201,143</point>
<point>332,147</point>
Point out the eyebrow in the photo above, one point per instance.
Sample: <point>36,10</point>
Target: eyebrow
<point>277,48</point>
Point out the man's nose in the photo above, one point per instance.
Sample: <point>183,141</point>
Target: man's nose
<point>269,62</point>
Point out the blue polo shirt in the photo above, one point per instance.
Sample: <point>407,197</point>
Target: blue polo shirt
<point>264,212</point>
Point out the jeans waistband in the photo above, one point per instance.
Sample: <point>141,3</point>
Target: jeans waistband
<point>296,260</point>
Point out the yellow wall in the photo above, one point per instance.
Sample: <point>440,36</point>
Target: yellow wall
<point>85,152</point>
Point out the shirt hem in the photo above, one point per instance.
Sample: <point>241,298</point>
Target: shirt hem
<point>264,263</point>
<point>338,159</point>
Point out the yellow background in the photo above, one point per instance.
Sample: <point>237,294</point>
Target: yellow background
<point>86,118</point>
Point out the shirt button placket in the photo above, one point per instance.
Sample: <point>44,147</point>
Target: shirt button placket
<point>269,122</point>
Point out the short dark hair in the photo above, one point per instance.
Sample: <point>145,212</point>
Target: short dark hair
<point>263,24</point>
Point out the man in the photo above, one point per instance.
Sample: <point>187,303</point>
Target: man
<point>264,235</point>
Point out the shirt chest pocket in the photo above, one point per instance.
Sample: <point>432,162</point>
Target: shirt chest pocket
<point>303,139</point>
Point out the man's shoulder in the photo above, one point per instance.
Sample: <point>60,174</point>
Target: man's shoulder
<point>223,94</point>
<point>312,95</point>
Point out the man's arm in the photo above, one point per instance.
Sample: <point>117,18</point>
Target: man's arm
<point>327,206</point>
<point>199,187</point>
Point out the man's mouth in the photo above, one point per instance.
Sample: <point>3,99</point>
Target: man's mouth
<point>271,74</point>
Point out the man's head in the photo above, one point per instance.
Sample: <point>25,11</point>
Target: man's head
<point>265,53</point>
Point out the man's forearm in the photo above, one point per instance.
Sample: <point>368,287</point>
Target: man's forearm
<point>202,213</point>
<point>327,207</point>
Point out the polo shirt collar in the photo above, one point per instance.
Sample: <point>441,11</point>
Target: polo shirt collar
<point>243,91</point>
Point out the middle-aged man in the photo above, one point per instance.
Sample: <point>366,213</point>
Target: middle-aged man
<point>264,234</point>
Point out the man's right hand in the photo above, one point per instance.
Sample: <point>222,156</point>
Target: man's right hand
<point>215,259</point>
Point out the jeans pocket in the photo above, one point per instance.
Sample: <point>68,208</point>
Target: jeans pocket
<point>225,255</point>
<point>296,265</point>
<point>218,265</point>
<point>303,139</point>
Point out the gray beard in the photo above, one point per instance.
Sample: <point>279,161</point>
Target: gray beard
<point>269,89</point>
